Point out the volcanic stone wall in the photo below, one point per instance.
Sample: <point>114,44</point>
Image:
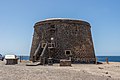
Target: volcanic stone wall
<point>71,38</point>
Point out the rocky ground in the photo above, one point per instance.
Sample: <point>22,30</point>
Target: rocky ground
<point>20,71</point>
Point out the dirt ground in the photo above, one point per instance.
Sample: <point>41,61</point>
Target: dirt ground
<point>20,71</point>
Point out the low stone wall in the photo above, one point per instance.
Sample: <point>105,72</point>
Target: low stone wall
<point>65,62</point>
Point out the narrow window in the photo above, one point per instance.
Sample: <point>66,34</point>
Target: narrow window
<point>51,45</point>
<point>43,45</point>
<point>67,52</point>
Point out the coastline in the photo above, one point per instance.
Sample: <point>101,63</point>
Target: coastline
<point>20,71</point>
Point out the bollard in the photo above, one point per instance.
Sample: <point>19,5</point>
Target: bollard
<point>20,58</point>
<point>96,60</point>
<point>107,60</point>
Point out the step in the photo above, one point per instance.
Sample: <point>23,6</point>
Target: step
<point>33,64</point>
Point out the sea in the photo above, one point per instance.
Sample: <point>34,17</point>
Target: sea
<point>100,58</point>
<point>110,58</point>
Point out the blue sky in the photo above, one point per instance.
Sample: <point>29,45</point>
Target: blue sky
<point>17,18</point>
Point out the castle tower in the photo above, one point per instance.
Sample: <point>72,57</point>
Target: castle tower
<point>62,38</point>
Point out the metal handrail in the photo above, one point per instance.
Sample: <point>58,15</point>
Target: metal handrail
<point>43,52</point>
<point>36,51</point>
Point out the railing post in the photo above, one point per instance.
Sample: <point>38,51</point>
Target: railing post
<point>44,61</point>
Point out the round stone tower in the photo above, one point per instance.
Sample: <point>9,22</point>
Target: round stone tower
<point>63,39</point>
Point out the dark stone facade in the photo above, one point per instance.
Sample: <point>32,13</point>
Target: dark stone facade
<point>64,38</point>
